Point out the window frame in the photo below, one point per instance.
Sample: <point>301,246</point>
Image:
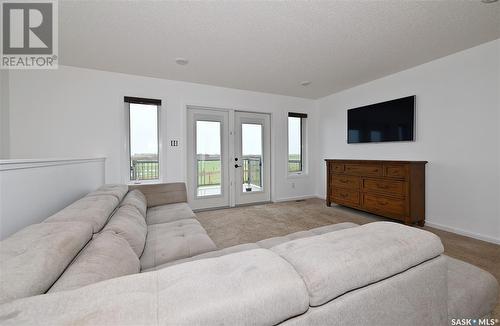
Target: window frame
<point>303,147</point>
<point>127,152</point>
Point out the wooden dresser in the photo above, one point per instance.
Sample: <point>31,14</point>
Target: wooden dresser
<point>394,189</point>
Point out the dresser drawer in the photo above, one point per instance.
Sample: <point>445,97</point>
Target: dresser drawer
<point>338,167</point>
<point>388,186</point>
<point>345,196</point>
<point>345,181</point>
<point>382,204</point>
<point>364,169</point>
<point>395,171</point>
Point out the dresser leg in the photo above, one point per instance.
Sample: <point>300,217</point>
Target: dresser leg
<point>421,223</point>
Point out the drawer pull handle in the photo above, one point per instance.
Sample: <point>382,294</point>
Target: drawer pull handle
<point>343,181</point>
<point>382,186</point>
<point>343,195</point>
<point>382,203</point>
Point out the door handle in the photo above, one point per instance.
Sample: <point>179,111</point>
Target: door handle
<point>237,166</point>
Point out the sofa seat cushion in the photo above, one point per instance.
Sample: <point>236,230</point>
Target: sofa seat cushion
<point>117,190</point>
<point>169,213</point>
<point>128,223</point>
<point>106,256</point>
<point>175,240</point>
<point>248,288</point>
<point>94,210</point>
<point>136,198</point>
<point>472,292</point>
<point>34,258</point>
<point>267,243</point>
<point>271,242</point>
<point>210,254</point>
<point>334,263</point>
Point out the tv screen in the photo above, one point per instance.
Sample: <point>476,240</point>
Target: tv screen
<point>387,121</point>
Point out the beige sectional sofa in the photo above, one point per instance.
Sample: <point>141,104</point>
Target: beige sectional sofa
<point>138,256</point>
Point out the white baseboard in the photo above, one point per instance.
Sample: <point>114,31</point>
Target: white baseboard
<point>427,223</point>
<point>463,232</point>
<point>294,198</point>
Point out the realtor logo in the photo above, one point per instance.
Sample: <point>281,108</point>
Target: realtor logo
<point>29,34</point>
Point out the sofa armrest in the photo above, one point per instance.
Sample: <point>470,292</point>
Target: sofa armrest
<point>163,193</point>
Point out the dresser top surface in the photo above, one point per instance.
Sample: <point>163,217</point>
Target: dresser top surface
<point>373,161</point>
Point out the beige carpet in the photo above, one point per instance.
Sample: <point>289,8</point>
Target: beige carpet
<point>232,226</point>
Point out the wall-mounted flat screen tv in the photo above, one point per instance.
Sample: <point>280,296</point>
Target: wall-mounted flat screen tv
<point>382,122</point>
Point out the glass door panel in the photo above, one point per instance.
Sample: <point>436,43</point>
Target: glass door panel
<point>208,158</point>
<point>251,144</point>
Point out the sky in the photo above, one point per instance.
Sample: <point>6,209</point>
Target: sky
<point>293,135</point>
<point>143,129</point>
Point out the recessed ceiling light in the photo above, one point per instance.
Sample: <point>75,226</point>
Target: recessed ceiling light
<point>488,1</point>
<point>305,83</point>
<point>181,61</point>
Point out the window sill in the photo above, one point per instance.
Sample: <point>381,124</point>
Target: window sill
<point>297,175</point>
<point>144,182</point>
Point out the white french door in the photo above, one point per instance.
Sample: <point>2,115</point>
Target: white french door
<point>228,156</point>
<point>208,170</point>
<point>252,159</point>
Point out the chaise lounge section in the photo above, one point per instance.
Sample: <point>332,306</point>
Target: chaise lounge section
<point>138,255</point>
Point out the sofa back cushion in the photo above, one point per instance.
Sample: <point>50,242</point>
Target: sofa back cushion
<point>94,210</point>
<point>128,223</point>
<point>335,263</point>
<point>117,190</point>
<point>106,256</point>
<point>255,287</point>
<point>163,193</point>
<point>32,259</point>
<point>137,199</point>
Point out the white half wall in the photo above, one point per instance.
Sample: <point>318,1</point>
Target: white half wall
<point>75,112</point>
<point>32,190</point>
<point>457,131</point>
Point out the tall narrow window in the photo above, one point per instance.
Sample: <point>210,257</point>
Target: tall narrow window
<point>296,143</point>
<point>143,140</point>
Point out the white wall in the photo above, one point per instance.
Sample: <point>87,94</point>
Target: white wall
<point>457,131</point>
<point>74,112</point>
<point>32,190</point>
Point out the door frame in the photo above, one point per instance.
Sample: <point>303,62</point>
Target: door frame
<point>231,139</point>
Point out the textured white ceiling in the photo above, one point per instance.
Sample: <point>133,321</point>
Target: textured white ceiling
<point>270,46</point>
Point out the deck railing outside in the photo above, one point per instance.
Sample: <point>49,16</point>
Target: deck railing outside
<point>209,170</point>
<point>144,170</point>
<point>252,170</point>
